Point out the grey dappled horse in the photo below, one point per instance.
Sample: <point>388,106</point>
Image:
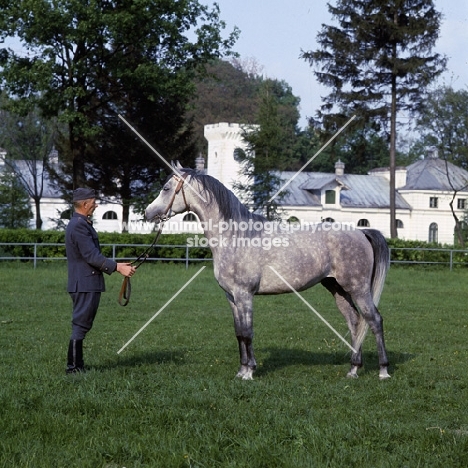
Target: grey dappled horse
<point>351,264</point>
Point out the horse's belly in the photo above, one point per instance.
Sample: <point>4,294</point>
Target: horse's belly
<point>291,276</point>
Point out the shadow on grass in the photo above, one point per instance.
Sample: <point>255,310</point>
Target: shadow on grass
<point>280,357</point>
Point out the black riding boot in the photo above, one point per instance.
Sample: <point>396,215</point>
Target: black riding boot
<point>75,357</point>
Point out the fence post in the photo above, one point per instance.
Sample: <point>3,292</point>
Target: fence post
<point>35,255</point>
<point>186,256</point>
<point>451,259</point>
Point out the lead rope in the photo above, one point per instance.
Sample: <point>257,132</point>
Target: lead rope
<point>126,288</point>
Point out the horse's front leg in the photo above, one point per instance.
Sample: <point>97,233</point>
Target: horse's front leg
<point>242,312</point>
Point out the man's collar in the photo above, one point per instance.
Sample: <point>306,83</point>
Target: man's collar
<point>79,215</point>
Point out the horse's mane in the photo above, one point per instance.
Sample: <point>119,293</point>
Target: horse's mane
<point>229,205</point>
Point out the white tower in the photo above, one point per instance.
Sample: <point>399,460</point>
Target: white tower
<point>223,139</point>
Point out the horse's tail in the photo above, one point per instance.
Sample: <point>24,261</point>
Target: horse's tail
<point>379,273</point>
<point>381,262</point>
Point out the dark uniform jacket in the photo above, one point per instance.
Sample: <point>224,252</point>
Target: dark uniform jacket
<point>86,264</point>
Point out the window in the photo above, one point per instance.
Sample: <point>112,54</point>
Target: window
<point>363,223</point>
<point>399,224</point>
<point>239,155</point>
<point>109,215</point>
<point>433,202</point>
<point>433,232</point>
<point>330,197</point>
<point>328,220</point>
<point>189,217</point>
<point>293,220</point>
<point>461,203</point>
<point>66,214</point>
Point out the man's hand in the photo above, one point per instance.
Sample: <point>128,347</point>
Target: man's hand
<point>126,269</point>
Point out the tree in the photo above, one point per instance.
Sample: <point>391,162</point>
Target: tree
<point>269,147</point>
<point>29,140</point>
<point>443,124</point>
<point>83,57</point>
<point>225,93</point>
<point>15,211</point>
<point>379,62</point>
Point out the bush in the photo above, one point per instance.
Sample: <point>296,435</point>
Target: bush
<point>166,244</point>
<point>424,252</point>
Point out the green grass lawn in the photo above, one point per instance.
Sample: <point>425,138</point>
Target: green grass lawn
<point>170,398</point>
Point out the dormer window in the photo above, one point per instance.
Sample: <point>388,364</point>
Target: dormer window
<point>330,197</point>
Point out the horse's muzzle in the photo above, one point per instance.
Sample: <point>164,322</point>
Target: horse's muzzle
<point>158,218</point>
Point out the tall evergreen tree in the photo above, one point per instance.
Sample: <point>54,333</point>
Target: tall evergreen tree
<point>378,61</point>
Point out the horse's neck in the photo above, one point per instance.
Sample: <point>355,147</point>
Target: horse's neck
<point>211,220</point>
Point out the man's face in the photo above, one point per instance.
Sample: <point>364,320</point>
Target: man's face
<point>89,206</point>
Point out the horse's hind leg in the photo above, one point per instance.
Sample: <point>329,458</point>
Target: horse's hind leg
<point>375,321</point>
<point>243,324</point>
<point>356,323</point>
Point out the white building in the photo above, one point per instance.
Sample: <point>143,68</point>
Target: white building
<point>424,192</point>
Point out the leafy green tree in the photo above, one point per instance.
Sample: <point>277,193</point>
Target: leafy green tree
<point>225,93</point>
<point>378,61</point>
<point>15,211</point>
<point>269,147</point>
<point>83,57</point>
<point>443,124</point>
<point>29,140</point>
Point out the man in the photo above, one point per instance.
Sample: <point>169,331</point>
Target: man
<point>86,266</point>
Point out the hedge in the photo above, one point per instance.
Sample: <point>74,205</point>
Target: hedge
<point>28,236</point>
<point>167,242</point>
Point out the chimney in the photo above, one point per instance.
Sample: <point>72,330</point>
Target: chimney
<point>200,164</point>
<point>432,153</point>
<point>339,168</point>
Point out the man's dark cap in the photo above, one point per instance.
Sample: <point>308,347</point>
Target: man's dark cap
<point>83,194</point>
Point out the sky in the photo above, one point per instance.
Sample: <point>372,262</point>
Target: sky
<point>273,32</point>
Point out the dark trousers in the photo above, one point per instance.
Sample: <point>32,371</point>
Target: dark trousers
<point>85,306</point>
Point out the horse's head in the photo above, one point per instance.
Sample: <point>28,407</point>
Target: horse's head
<point>172,198</point>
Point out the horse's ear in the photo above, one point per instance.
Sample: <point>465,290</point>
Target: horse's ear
<point>177,165</point>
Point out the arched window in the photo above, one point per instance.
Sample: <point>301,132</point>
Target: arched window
<point>328,220</point>
<point>399,224</point>
<point>433,232</point>
<point>190,217</point>
<point>293,220</point>
<point>67,214</point>
<point>109,215</point>
<point>330,197</point>
<point>363,223</point>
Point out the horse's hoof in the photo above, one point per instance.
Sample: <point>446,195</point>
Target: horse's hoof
<point>245,374</point>
<point>352,375</point>
<point>383,374</point>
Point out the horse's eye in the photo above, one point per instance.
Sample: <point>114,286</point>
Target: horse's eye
<point>166,188</point>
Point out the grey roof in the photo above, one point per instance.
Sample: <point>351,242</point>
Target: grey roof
<point>358,191</point>
<point>431,174</point>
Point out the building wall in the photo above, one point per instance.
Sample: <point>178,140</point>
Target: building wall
<point>223,139</point>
